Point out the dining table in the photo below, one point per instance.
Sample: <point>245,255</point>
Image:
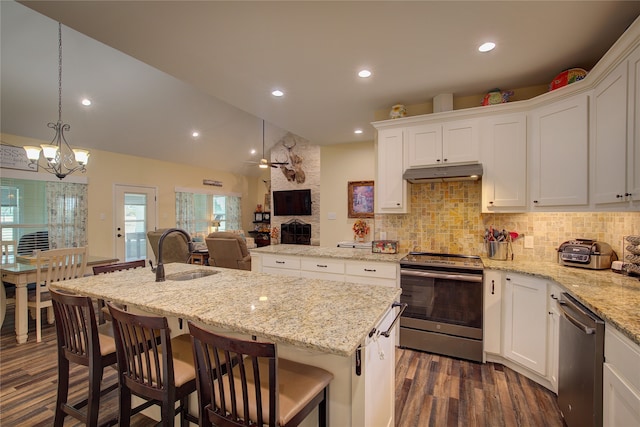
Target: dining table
<point>20,274</point>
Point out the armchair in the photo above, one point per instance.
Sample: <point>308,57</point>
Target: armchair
<point>175,247</point>
<point>228,250</point>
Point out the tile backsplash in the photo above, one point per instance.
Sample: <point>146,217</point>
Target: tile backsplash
<point>446,217</point>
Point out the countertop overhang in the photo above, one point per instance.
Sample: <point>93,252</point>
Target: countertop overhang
<point>319,315</point>
<point>612,296</point>
<point>328,252</point>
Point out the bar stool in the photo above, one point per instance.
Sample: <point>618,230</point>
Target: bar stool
<point>79,342</point>
<point>149,368</point>
<point>103,312</point>
<point>262,390</point>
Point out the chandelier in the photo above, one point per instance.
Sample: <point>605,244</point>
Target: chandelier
<point>61,159</point>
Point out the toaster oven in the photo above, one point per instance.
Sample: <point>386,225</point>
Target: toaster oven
<point>586,253</point>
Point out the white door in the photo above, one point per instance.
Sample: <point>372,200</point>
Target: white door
<point>135,215</point>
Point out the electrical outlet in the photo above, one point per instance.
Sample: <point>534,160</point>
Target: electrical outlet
<point>528,242</point>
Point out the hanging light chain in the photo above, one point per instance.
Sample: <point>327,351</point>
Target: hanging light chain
<point>59,72</point>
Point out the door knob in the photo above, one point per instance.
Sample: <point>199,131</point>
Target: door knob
<point>119,235</point>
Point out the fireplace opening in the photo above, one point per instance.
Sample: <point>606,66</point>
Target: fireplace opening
<point>295,232</point>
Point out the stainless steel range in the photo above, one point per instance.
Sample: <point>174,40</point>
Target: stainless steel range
<point>443,293</point>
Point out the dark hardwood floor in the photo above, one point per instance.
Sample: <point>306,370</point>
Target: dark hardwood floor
<point>431,390</point>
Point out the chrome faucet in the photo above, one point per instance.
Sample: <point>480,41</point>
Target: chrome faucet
<point>160,267</point>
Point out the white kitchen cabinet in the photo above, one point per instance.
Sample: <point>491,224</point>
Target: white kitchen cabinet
<point>322,268</point>
<point>391,189</point>
<point>621,380</point>
<point>504,158</point>
<point>492,327</point>
<point>279,264</point>
<point>525,322</point>
<point>372,273</point>
<point>441,144</point>
<point>559,153</point>
<point>553,335</point>
<point>633,128</point>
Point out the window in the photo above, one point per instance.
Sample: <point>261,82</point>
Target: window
<point>23,207</point>
<point>195,212</point>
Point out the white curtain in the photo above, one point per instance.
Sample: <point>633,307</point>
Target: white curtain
<point>67,214</point>
<point>185,211</point>
<point>233,213</point>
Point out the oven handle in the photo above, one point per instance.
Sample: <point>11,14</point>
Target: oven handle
<point>386,334</point>
<point>448,276</point>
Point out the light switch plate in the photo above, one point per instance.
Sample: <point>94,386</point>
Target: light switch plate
<point>528,242</point>
<point>332,215</point>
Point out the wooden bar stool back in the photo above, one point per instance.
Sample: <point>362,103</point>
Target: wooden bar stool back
<point>52,266</point>
<point>80,342</point>
<point>152,366</point>
<point>262,390</point>
<point>103,312</point>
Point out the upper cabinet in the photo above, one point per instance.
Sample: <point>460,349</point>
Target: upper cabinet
<point>615,148</point>
<point>391,189</point>
<point>559,153</point>
<point>504,158</point>
<point>440,144</point>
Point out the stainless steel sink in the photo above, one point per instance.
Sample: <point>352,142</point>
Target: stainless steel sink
<point>190,275</point>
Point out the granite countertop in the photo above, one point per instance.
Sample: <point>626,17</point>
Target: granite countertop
<point>328,252</point>
<point>329,317</point>
<point>612,296</point>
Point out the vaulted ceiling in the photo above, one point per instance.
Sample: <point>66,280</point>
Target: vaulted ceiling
<point>158,70</point>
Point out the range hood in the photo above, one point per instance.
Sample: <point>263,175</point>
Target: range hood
<point>469,172</point>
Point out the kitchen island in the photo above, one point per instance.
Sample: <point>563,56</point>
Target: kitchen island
<point>322,323</point>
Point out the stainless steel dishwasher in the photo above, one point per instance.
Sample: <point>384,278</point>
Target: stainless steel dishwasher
<point>580,365</point>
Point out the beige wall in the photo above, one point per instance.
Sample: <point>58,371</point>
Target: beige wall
<point>342,163</point>
<point>106,169</point>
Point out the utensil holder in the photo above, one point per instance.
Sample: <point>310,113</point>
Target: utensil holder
<point>497,250</point>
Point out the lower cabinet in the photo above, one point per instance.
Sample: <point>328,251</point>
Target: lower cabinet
<point>553,334</point>
<point>334,269</point>
<point>492,312</point>
<point>525,325</point>
<point>621,380</point>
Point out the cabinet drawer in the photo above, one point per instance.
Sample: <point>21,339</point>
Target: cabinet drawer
<point>290,263</point>
<point>623,354</point>
<point>372,269</point>
<point>322,265</point>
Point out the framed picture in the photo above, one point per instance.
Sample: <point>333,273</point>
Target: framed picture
<point>267,201</point>
<point>360,199</point>
<point>12,157</point>
<point>257,217</point>
<point>266,216</point>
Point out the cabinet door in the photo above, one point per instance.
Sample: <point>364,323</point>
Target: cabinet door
<point>609,137</point>
<point>492,312</point>
<point>553,335</point>
<point>621,403</point>
<point>633,144</point>
<point>424,145</point>
<point>391,189</point>
<point>504,182</point>
<point>525,324</point>
<point>559,153</point>
<point>460,142</point>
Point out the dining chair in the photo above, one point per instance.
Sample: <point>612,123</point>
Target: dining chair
<point>262,390</point>
<point>8,257</point>
<point>152,366</point>
<point>53,266</point>
<point>103,311</point>
<point>80,342</point>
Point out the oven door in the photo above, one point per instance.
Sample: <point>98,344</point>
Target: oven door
<point>449,303</point>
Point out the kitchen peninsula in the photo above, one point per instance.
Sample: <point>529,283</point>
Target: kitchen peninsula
<point>318,322</point>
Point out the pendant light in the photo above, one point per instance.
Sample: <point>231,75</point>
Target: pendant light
<point>61,159</point>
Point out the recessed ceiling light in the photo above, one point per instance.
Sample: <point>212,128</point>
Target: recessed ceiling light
<point>357,131</point>
<point>277,93</point>
<point>86,102</point>
<point>195,134</point>
<point>364,73</point>
<point>253,151</point>
<point>486,47</point>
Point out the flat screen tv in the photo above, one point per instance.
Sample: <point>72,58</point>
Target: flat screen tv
<point>292,202</point>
